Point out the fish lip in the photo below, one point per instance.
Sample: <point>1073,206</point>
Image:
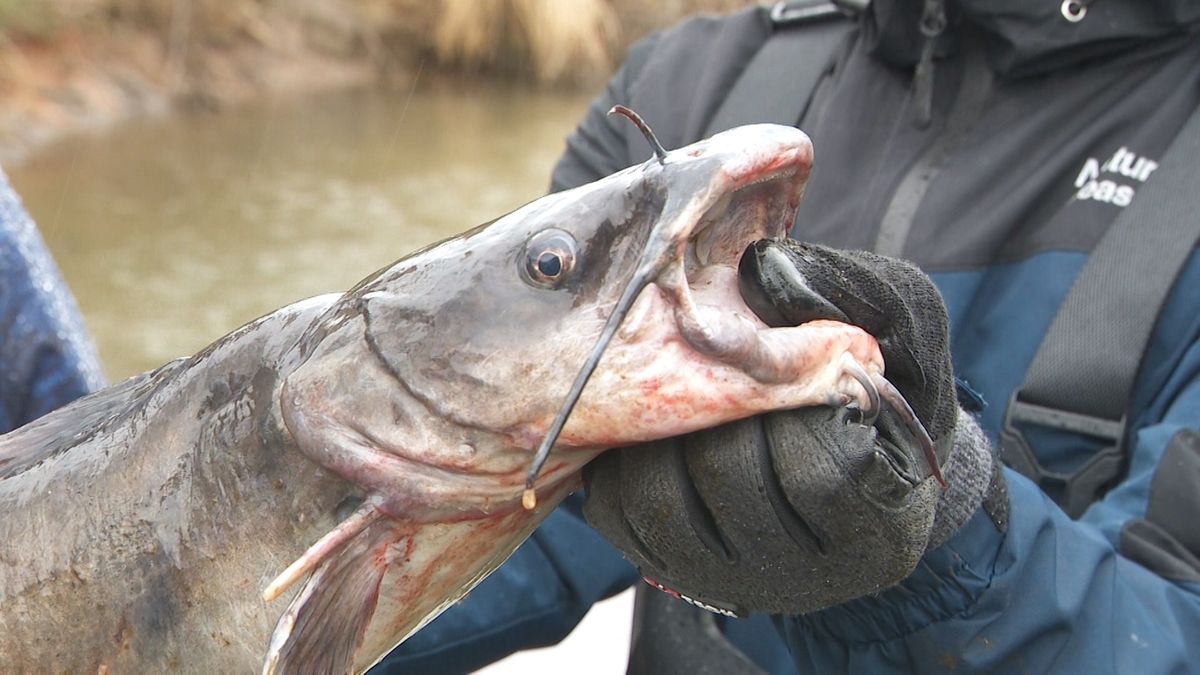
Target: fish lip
<point>753,194</point>
<point>713,242</point>
<point>774,177</point>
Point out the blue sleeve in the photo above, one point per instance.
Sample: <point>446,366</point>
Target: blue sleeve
<point>46,358</point>
<point>1116,592</point>
<point>533,600</point>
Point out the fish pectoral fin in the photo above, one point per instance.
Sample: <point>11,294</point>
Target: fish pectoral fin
<point>347,530</point>
<point>325,623</point>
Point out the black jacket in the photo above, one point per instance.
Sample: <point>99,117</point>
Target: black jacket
<point>1005,191</point>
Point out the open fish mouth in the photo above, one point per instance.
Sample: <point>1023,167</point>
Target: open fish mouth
<point>763,193</point>
<point>757,201</point>
<point>715,211</point>
<point>768,204</point>
<point>695,231</point>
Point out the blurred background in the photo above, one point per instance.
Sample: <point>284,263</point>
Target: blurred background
<point>194,164</point>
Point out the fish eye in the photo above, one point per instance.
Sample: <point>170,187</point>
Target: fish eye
<point>549,258</point>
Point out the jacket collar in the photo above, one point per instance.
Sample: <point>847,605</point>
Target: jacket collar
<point>1026,37</point>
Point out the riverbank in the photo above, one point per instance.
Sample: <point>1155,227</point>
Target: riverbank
<point>74,66</point>
<point>96,71</point>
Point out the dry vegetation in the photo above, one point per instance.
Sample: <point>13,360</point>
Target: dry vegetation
<point>66,64</point>
<point>548,41</point>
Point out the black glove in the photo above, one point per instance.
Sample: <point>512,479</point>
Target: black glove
<point>792,512</point>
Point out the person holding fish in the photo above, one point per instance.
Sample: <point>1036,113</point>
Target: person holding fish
<point>996,150</point>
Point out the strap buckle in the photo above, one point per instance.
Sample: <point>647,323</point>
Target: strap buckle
<point>804,11</point>
<point>1074,491</point>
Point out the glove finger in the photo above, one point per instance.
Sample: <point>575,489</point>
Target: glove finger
<point>665,530</point>
<point>603,510</point>
<point>699,503</point>
<point>733,472</point>
<point>696,513</point>
<point>891,299</point>
<point>847,485</point>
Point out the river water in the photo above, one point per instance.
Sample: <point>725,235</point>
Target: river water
<point>172,232</point>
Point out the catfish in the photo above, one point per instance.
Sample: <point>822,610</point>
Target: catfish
<point>313,488</point>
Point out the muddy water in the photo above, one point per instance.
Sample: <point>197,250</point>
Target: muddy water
<point>173,232</point>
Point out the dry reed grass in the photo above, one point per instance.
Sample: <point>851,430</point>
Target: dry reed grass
<point>552,40</point>
<point>547,41</point>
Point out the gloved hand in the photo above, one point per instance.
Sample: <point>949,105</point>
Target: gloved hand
<point>796,511</point>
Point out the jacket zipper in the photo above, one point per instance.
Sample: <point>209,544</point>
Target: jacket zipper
<point>973,93</point>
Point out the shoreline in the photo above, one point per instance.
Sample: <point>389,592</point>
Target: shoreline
<point>65,72</point>
<point>81,83</point>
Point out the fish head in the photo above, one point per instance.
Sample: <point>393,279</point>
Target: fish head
<point>487,331</point>
<point>490,328</point>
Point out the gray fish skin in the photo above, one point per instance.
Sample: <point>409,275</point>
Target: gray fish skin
<point>313,488</point>
<point>127,548</point>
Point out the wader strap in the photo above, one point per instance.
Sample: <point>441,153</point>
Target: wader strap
<point>1082,376</point>
<point>779,81</point>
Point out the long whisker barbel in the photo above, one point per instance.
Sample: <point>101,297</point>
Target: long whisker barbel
<point>646,272</point>
<point>640,123</point>
<point>639,281</point>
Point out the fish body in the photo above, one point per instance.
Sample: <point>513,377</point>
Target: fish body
<point>363,456</point>
<point>129,518</point>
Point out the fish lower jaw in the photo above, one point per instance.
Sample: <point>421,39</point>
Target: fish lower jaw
<point>664,388</point>
<point>712,318</point>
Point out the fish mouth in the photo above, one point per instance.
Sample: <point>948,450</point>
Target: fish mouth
<point>723,194</point>
<point>717,320</point>
<point>752,198</point>
<point>764,209</point>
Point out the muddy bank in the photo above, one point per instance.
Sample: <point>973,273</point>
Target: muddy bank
<point>71,66</point>
<point>94,73</point>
